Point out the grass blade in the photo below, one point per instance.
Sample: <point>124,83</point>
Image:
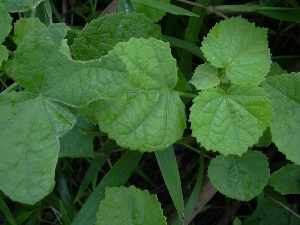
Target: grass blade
<point>117,176</point>
<point>169,169</point>
<point>6,212</point>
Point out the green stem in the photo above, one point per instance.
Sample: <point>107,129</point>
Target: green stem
<point>188,95</point>
<point>11,88</point>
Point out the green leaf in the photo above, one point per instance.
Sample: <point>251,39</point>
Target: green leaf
<point>240,48</point>
<point>5,23</point>
<point>125,6</point>
<point>205,77</point>
<point>30,127</point>
<point>76,143</point>
<point>156,9</point>
<point>276,70</point>
<point>117,176</point>
<point>111,29</point>
<point>149,115</point>
<point>169,169</point>
<point>232,121</point>
<point>284,91</point>
<point>3,54</point>
<point>24,26</point>
<point>20,5</point>
<point>286,180</point>
<point>129,206</point>
<point>58,77</point>
<point>240,178</point>
<point>151,12</point>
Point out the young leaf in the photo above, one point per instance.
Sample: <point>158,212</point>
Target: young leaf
<point>240,178</point>
<point>149,115</point>
<point>19,5</point>
<point>30,127</point>
<point>205,77</point>
<point>24,26</point>
<point>128,206</point>
<point>58,77</point>
<point>286,180</point>
<point>169,169</point>
<point>111,29</point>
<point>232,121</point>
<point>240,48</point>
<point>284,91</point>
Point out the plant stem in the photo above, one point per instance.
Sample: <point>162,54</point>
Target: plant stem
<point>10,88</point>
<point>188,95</point>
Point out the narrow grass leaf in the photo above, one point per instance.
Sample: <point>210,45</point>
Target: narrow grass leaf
<point>169,169</point>
<point>6,212</point>
<point>166,7</point>
<point>117,176</point>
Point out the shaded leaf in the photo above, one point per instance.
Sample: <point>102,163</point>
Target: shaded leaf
<point>286,180</point>
<point>111,29</point>
<point>240,178</point>
<point>284,91</point>
<point>20,5</point>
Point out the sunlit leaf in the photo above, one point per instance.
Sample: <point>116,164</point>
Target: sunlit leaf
<point>232,121</point>
<point>240,48</point>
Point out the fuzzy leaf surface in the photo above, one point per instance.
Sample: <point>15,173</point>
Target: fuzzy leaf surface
<point>232,121</point>
<point>129,206</point>
<point>20,5</point>
<point>30,127</point>
<point>24,26</point>
<point>240,48</point>
<point>42,67</point>
<point>149,115</point>
<point>5,23</point>
<point>111,29</point>
<point>205,77</point>
<point>240,178</point>
<point>284,91</point>
<point>286,180</point>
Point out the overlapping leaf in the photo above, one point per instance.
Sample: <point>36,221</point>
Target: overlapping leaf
<point>240,48</point>
<point>284,91</point>
<point>101,35</point>
<point>24,26</point>
<point>19,5</point>
<point>59,77</point>
<point>5,24</point>
<point>287,179</point>
<point>149,115</point>
<point>35,120</point>
<point>205,77</point>
<point>232,121</point>
<point>240,178</point>
<point>129,206</point>
<point>30,127</point>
